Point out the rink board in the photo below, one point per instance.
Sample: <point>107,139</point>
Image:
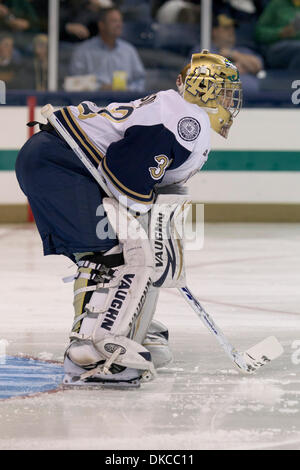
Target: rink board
<point>24,376</point>
<point>251,177</point>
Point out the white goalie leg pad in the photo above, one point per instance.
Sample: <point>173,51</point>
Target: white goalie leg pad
<point>141,326</point>
<point>167,239</point>
<point>82,351</point>
<point>157,343</point>
<point>118,308</point>
<point>128,290</point>
<point>125,301</point>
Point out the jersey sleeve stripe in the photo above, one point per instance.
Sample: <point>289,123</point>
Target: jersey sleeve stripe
<point>112,176</point>
<point>83,134</point>
<point>78,139</point>
<point>77,132</point>
<point>142,198</point>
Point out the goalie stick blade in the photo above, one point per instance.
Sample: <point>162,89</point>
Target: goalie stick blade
<point>246,362</point>
<point>261,354</point>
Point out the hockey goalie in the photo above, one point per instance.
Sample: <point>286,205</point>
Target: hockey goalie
<point>126,246</point>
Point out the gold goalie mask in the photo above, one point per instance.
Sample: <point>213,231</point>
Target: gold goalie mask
<point>212,82</point>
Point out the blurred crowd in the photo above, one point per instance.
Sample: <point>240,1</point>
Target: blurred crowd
<point>141,45</point>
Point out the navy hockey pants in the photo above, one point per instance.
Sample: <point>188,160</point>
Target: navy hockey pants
<point>63,196</point>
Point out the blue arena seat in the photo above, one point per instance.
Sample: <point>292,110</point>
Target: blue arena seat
<point>245,35</point>
<point>158,79</point>
<point>178,38</point>
<point>138,34</point>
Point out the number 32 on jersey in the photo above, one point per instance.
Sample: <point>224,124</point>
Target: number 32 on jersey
<point>158,171</point>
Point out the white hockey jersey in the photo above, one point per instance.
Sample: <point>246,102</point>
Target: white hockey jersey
<point>157,140</point>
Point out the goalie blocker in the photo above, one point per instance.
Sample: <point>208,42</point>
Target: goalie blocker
<point>168,217</point>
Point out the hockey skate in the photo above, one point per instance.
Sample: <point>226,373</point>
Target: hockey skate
<point>99,377</point>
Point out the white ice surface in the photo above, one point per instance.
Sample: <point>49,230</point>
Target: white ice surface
<point>247,277</point>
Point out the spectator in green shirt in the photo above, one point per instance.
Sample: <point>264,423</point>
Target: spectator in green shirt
<point>17,16</point>
<point>278,30</point>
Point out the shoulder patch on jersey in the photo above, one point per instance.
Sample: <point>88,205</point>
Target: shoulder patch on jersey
<point>188,128</point>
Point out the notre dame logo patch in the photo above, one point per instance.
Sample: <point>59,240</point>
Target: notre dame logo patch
<point>188,128</point>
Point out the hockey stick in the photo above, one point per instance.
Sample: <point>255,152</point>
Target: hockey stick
<point>248,361</point>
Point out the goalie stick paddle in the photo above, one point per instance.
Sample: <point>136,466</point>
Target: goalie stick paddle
<point>248,361</point>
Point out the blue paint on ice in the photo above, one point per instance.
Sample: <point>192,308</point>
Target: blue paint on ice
<point>26,376</point>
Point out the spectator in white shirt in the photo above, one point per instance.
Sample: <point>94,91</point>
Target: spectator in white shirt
<point>105,54</point>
